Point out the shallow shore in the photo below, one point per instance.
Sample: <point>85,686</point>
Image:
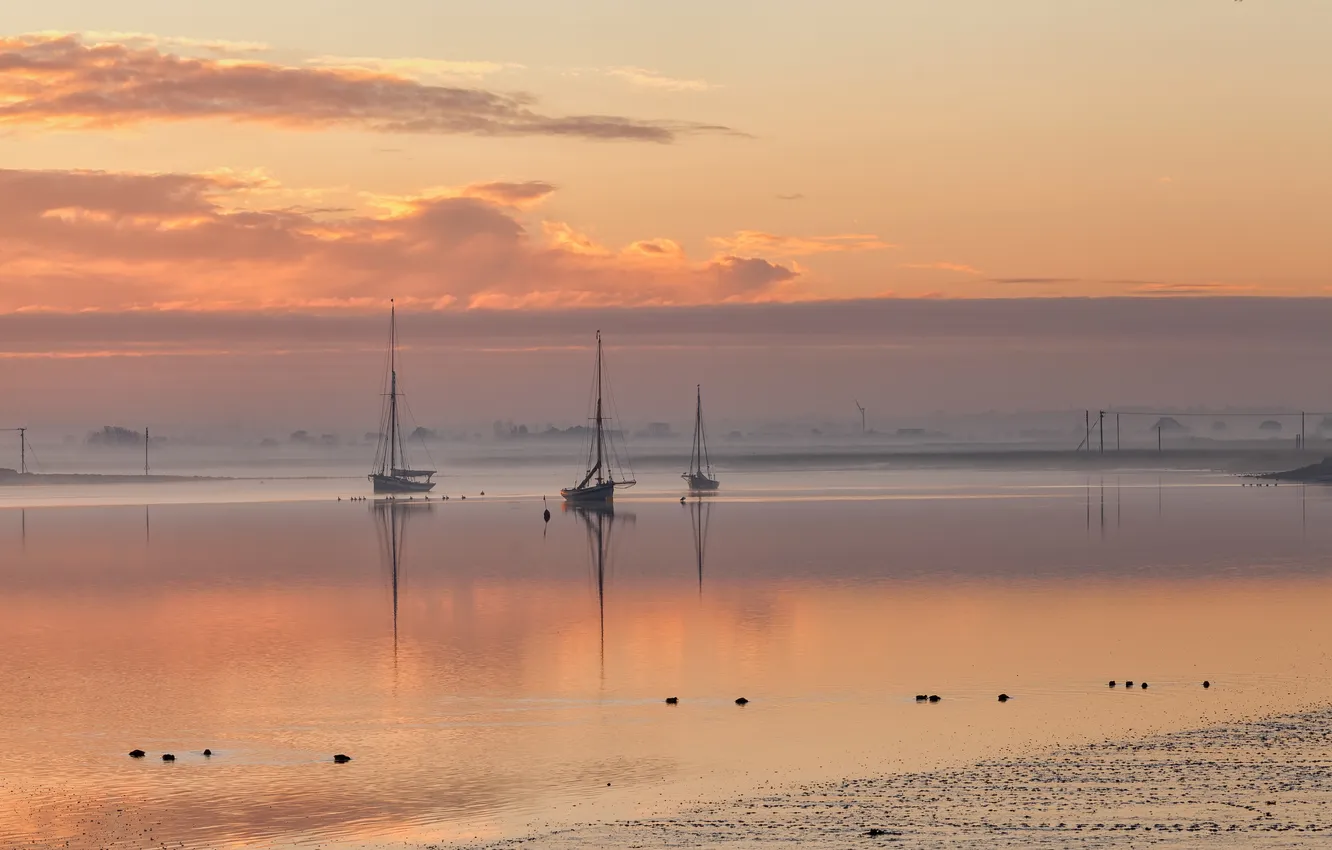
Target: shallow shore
<point>34,478</point>
<point>1261,783</point>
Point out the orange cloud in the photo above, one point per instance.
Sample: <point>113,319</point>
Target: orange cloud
<point>59,81</point>
<point>771,244</point>
<point>77,240</point>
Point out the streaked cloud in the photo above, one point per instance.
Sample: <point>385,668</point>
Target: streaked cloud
<point>644,78</point>
<point>62,82</point>
<point>91,240</point>
<point>961,268</point>
<point>416,68</point>
<point>775,245</point>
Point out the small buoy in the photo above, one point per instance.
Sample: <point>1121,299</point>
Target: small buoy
<point>1004,697</point>
<point>208,753</point>
<point>1207,684</point>
<point>168,757</point>
<point>1112,683</point>
<point>935,697</point>
<point>1144,686</point>
<point>922,697</point>
<point>136,754</point>
<point>672,700</point>
<point>464,498</point>
<point>483,492</point>
<point>339,498</point>
<point>742,701</point>
<point>682,498</point>
<point>340,758</point>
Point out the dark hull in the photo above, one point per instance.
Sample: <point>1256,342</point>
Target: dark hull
<point>701,482</point>
<point>594,494</point>
<point>395,484</point>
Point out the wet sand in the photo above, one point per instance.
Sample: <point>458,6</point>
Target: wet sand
<point>1261,783</point>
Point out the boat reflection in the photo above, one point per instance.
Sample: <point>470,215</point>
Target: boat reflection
<point>599,520</point>
<point>391,517</point>
<point>700,518</point>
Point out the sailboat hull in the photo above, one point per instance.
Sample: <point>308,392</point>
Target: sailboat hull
<point>592,494</point>
<point>698,481</point>
<point>396,484</point>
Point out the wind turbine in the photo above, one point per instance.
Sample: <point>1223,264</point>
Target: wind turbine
<point>862,416</point>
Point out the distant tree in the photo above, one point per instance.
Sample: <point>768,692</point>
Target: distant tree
<point>424,434</point>
<point>1168,424</point>
<point>300,436</point>
<point>1270,425</point>
<point>114,436</point>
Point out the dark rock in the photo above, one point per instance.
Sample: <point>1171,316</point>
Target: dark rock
<point>672,700</point>
<point>208,753</point>
<point>742,701</point>
<point>935,697</point>
<point>168,757</point>
<point>137,754</point>
<point>341,758</point>
<point>1004,697</point>
<point>1207,684</point>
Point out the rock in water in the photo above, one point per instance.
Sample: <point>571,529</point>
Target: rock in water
<point>1004,697</point>
<point>742,701</point>
<point>341,758</point>
<point>208,753</point>
<point>137,754</point>
<point>672,700</point>
<point>168,757</point>
<point>935,697</point>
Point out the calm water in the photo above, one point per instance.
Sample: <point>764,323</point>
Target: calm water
<point>493,675</point>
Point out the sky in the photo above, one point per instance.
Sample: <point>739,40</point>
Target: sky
<point>294,159</point>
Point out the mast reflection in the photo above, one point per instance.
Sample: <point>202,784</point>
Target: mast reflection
<point>599,521</point>
<point>700,517</point>
<point>391,517</point>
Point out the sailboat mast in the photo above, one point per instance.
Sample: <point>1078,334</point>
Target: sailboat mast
<point>600,471</point>
<point>393,388</point>
<point>695,454</point>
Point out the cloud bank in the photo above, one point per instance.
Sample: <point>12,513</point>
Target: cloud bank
<point>56,81</point>
<point>80,240</point>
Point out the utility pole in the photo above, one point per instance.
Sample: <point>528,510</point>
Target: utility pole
<point>1117,447</point>
<point>1100,426</point>
<point>23,448</point>
<point>145,451</point>
<point>1086,428</point>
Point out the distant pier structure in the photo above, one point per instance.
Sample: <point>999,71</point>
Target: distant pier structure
<point>1140,429</point>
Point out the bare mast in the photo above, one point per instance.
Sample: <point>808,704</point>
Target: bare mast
<point>598,466</point>
<point>393,389</point>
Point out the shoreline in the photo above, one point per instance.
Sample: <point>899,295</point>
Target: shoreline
<point>1254,783</point>
<point>30,479</point>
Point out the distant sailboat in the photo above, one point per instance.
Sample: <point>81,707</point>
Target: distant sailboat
<point>388,476</point>
<point>700,472</point>
<point>598,482</point>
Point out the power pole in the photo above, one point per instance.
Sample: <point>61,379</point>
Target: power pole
<point>145,451</point>
<point>23,451</point>
<point>1100,426</point>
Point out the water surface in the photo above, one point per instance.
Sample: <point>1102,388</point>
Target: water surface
<point>493,675</point>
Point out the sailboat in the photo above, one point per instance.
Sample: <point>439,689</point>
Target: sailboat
<point>700,472</point>
<point>598,482</point>
<point>391,473</point>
